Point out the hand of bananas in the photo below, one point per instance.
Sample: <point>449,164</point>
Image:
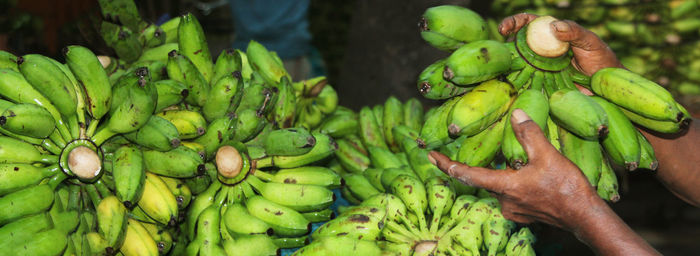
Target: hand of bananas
<point>589,130</point>
<point>645,35</point>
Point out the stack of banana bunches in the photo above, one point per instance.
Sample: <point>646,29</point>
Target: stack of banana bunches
<point>406,206</point>
<point>645,35</point>
<point>160,151</point>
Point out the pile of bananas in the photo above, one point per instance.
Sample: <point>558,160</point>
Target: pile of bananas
<point>645,35</point>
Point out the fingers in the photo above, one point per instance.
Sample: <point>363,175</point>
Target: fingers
<point>577,36</point>
<point>512,24</point>
<point>491,180</point>
<point>528,134</point>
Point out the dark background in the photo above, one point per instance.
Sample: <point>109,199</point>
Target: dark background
<point>371,49</point>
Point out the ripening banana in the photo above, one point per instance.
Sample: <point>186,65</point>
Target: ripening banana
<point>138,241</point>
<point>481,107</point>
<point>112,221</point>
<point>157,201</point>
<point>181,162</point>
<point>307,175</point>
<point>447,27</point>
<point>190,124</point>
<point>170,92</point>
<point>239,221</point>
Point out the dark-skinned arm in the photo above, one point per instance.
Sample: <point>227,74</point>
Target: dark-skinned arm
<point>676,153</point>
<point>550,189</point>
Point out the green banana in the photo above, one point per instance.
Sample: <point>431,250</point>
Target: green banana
<point>189,124</point>
<point>647,157</point>
<point>478,109</point>
<point>470,235</point>
<point>182,193</point>
<point>393,116</point>
<point>229,61</point>
<point>49,242</point>
<point>158,133</point>
<point>413,193</point>
<point>181,162</point>
<point>362,222</point>
<point>238,220</point>
<point>635,93</point>
<point>339,125</point>
<point>225,94</point>
<point>447,27</point>
<point>251,245</point>
<point>300,197</point>
<point>248,125</point>
<point>23,229</point>
<point>496,231</point>
<point>47,78</point>
<point>441,197</point>
<point>91,77</point>
<point>182,69</point>
<point>264,63</point>
<point>586,154</point>
<point>340,246</point>
<point>129,175</point>
<point>370,131</point>
<point>289,142</point>
<point>15,177</point>
<point>284,109</point>
<point>655,125</point>
<point>607,184</point>
<point>28,120</point>
<point>158,53</point>
<point>123,40</point>
<point>360,186</point>
<point>283,220</point>
<point>152,36</point>
<point>307,175</point>
<point>578,113</point>
<point>17,151</point>
<point>383,158</point>
<point>535,104</point>
<point>218,131</point>
<point>325,146</point>
<point>621,143</point>
<point>15,88</point>
<point>476,62</point>
<point>435,131</point>
<point>8,61</point>
<point>193,44</point>
<point>24,202</point>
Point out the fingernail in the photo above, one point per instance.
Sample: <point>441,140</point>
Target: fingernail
<point>520,116</point>
<point>561,26</point>
<point>431,158</point>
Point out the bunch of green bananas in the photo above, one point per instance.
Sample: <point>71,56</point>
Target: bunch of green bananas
<point>589,130</point>
<point>645,35</point>
<point>60,178</point>
<point>406,205</point>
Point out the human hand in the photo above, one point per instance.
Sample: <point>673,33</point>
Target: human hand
<point>590,52</point>
<point>550,188</point>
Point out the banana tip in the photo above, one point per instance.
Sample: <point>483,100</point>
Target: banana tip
<point>448,74</point>
<point>175,142</point>
<point>653,165</point>
<point>602,131</point>
<point>423,24</point>
<point>631,166</point>
<point>128,204</point>
<point>20,60</point>
<point>424,88</point>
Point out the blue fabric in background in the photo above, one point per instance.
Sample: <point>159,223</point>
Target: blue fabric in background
<point>280,25</point>
<point>339,201</point>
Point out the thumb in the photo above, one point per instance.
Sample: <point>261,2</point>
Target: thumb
<point>529,134</point>
<point>491,180</point>
<point>577,36</point>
